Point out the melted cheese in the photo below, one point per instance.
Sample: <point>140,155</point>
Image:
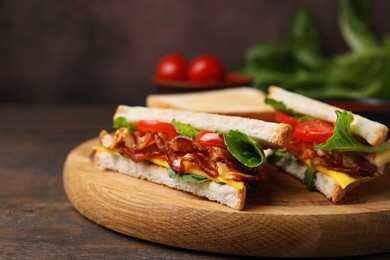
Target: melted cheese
<point>341,178</point>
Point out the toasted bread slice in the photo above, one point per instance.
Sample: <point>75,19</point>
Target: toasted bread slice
<point>268,134</point>
<point>238,101</point>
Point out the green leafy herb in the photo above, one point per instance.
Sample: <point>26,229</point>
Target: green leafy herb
<point>279,155</point>
<point>275,157</point>
<point>122,122</point>
<point>305,118</point>
<point>305,41</point>
<point>184,129</point>
<point>310,175</point>
<point>244,148</point>
<point>171,173</point>
<point>354,24</point>
<point>281,107</point>
<point>193,178</point>
<point>343,139</point>
<point>299,64</point>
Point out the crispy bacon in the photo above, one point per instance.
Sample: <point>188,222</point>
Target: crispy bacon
<point>182,153</point>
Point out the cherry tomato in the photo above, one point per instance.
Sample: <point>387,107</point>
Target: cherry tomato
<point>317,131</point>
<point>172,67</point>
<point>206,68</point>
<point>210,138</point>
<point>284,118</point>
<point>156,126</point>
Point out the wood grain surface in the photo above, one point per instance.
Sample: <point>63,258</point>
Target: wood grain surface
<point>281,217</point>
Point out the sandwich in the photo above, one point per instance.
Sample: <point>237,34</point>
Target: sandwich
<point>216,157</point>
<point>331,150</point>
<point>236,101</point>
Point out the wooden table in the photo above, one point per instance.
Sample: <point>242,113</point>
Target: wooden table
<point>36,219</point>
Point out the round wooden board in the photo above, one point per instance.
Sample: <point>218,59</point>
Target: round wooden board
<point>281,217</point>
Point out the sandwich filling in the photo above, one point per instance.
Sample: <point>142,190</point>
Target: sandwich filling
<point>331,148</point>
<point>196,156</point>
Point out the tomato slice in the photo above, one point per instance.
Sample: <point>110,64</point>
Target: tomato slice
<point>156,126</point>
<point>210,138</point>
<point>317,131</point>
<point>286,119</point>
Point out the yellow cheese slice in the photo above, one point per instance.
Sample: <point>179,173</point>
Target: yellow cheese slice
<point>341,178</point>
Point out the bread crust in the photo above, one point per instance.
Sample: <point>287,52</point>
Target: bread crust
<point>268,134</point>
<point>371,131</point>
<point>224,194</point>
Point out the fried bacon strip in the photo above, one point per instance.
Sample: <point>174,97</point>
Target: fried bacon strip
<point>181,153</point>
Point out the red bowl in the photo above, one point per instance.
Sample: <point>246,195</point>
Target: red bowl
<point>232,79</point>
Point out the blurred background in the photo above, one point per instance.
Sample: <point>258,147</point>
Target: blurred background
<point>105,52</point>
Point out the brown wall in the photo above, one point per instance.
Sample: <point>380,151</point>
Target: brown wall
<point>105,51</point>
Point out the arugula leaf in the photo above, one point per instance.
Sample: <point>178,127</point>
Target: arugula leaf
<point>343,139</point>
<point>269,64</point>
<point>354,26</point>
<point>122,122</point>
<point>279,155</point>
<point>310,175</point>
<point>171,173</point>
<point>305,118</point>
<point>281,107</point>
<point>193,178</point>
<point>299,64</point>
<point>364,73</point>
<point>185,129</point>
<point>269,56</point>
<point>304,39</point>
<point>275,157</point>
<point>190,177</point>
<point>244,148</point>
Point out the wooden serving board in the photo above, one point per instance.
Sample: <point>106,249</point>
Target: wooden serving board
<point>281,217</point>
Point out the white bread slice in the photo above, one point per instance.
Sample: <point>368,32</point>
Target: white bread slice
<point>238,101</point>
<point>269,135</point>
<point>224,194</point>
<point>322,183</point>
<point>373,132</point>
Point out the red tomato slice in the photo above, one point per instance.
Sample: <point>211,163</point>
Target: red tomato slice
<point>317,131</point>
<point>210,138</point>
<point>156,126</point>
<point>286,119</point>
